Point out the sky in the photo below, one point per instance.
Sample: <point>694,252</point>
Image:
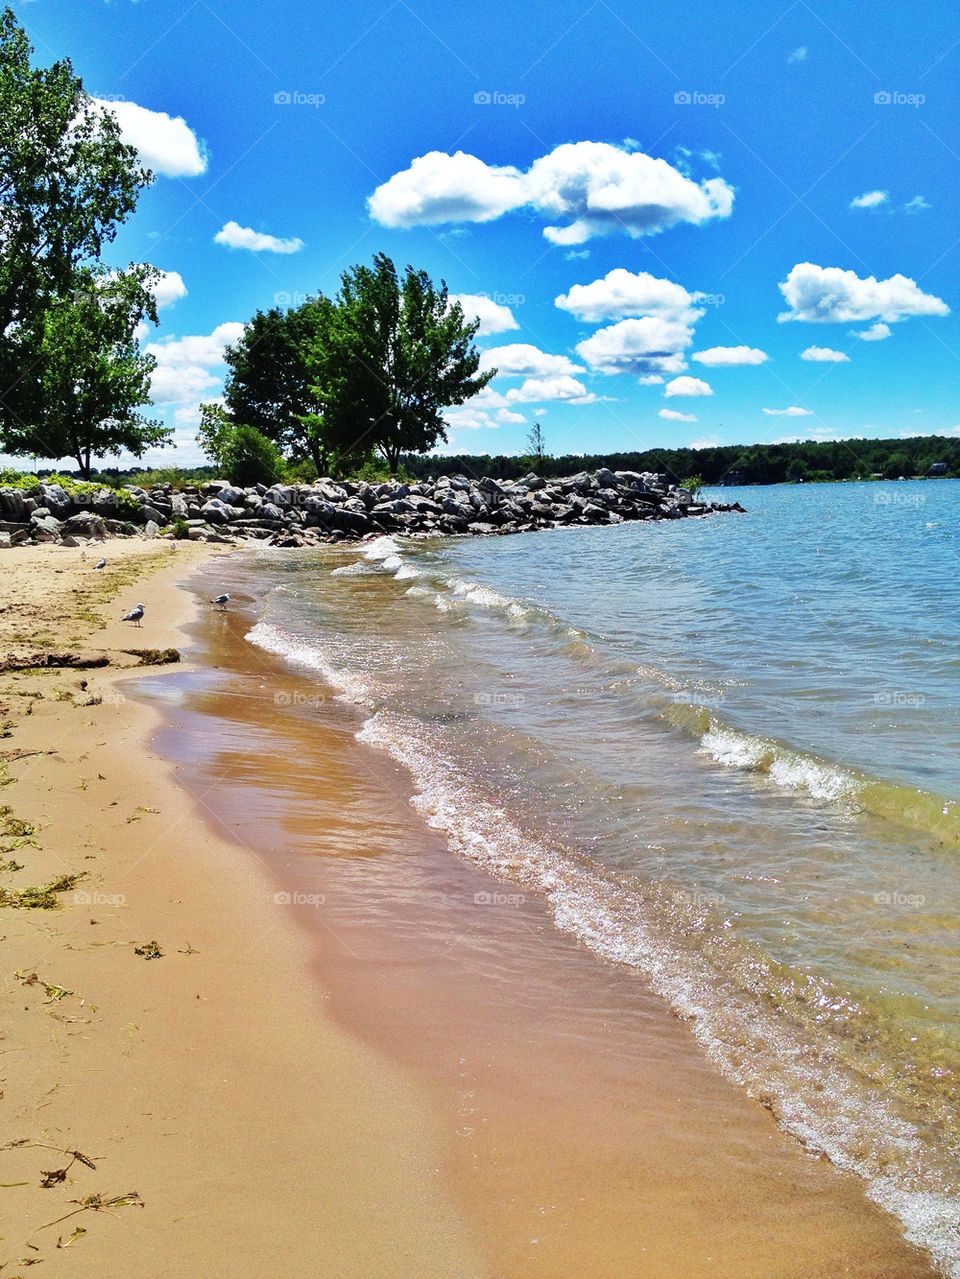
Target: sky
<point>679,224</point>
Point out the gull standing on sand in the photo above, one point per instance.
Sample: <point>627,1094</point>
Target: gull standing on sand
<point>134,615</point>
<point>222,600</point>
<point>101,563</point>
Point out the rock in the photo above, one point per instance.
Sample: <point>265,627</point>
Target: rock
<point>13,505</point>
<point>5,542</point>
<point>268,511</point>
<point>84,524</point>
<point>151,528</point>
<point>56,499</point>
<point>532,482</point>
<point>481,528</point>
<point>44,527</point>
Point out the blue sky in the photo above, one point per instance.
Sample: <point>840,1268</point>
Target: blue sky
<point>673,220</point>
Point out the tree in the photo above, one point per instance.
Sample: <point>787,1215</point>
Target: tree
<point>390,357</point>
<point>66,182</point>
<point>268,386</point>
<point>92,378</point>
<point>250,458</point>
<point>535,443</point>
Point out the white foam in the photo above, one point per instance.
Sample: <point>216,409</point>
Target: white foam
<point>381,548</point>
<point>733,749</point>
<point>357,569</point>
<point>351,687</point>
<point>784,768</point>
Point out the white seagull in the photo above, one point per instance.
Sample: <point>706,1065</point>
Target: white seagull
<point>101,563</point>
<point>134,615</point>
<point>222,600</point>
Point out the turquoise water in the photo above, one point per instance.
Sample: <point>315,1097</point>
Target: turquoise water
<point>725,750</point>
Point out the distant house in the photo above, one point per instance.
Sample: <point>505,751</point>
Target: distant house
<point>938,468</point>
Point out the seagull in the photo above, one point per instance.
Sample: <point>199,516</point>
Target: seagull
<point>101,563</point>
<point>134,615</point>
<point>222,600</point>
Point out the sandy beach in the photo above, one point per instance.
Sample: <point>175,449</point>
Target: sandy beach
<point>325,1060</point>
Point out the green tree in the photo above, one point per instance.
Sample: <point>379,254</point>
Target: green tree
<point>66,183</point>
<point>897,464</point>
<point>537,447</point>
<point>250,458</point>
<point>92,376</point>
<point>268,386</point>
<point>392,356</point>
<point>214,432</point>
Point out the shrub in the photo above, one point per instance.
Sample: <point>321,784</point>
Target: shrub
<point>250,458</point>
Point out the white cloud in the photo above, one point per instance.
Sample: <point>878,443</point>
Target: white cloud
<point>439,187</point>
<point>688,386</point>
<point>624,293</point>
<point>559,387</point>
<point>824,355</point>
<point>705,442</point>
<point>798,55</point>
<point>235,236</point>
<point>505,415</point>
<point>916,204</point>
<point>672,415</point>
<point>466,418</point>
<point>650,379</point>
<point>519,359</point>
<point>831,295</point>
<point>184,365</point>
<point>644,346</point>
<point>875,333</point>
<point>870,200</point>
<point>722,356</point>
<point>592,187</point>
<point>169,288</point>
<point>493,317</point>
<point>792,411</point>
<point>166,143</point>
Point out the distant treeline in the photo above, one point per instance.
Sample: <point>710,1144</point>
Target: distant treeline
<point>811,460</point>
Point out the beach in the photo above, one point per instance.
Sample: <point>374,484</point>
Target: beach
<point>355,1053</point>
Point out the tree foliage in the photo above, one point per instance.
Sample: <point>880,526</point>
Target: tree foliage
<point>67,181</point>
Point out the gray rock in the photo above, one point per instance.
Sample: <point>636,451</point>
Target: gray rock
<point>56,499</point>
<point>268,511</point>
<point>151,528</point>
<point>45,527</point>
<point>84,524</point>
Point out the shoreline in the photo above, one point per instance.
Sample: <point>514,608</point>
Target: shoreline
<point>219,1093</point>
<point>348,1084</point>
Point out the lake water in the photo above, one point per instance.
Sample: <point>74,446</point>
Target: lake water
<point>726,752</point>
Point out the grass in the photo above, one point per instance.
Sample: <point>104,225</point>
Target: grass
<point>39,896</point>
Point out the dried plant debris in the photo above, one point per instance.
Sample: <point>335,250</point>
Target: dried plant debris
<point>39,896</point>
<point>149,950</point>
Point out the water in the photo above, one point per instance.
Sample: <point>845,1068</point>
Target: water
<point>725,750</point>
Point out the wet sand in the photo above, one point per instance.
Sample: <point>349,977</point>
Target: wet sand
<point>579,1128</point>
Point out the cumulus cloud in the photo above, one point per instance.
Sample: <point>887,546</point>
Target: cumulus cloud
<point>723,356</point>
<point>185,365</point>
<point>439,187</point>
<point>650,379</point>
<point>688,386</point>
<point>591,188</point>
<point>916,204</point>
<point>165,143</point>
<point>649,345</point>
<point>870,200</point>
<point>493,317</point>
<point>558,387</point>
<point>824,355</point>
<point>520,359</point>
<point>792,411</point>
<point>875,333</point>
<point>671,415</point>
<point>831,295</point>
<point>169,288</point>
<point>235,236</point>
<point>624,293</point>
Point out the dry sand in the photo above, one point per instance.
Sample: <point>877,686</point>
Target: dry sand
<point>260,1139</point>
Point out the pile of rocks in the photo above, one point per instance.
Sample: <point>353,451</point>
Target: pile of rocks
<point>299,514</point>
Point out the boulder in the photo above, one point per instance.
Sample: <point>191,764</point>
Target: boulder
<point>44,527</point>
<point>84,524</point>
